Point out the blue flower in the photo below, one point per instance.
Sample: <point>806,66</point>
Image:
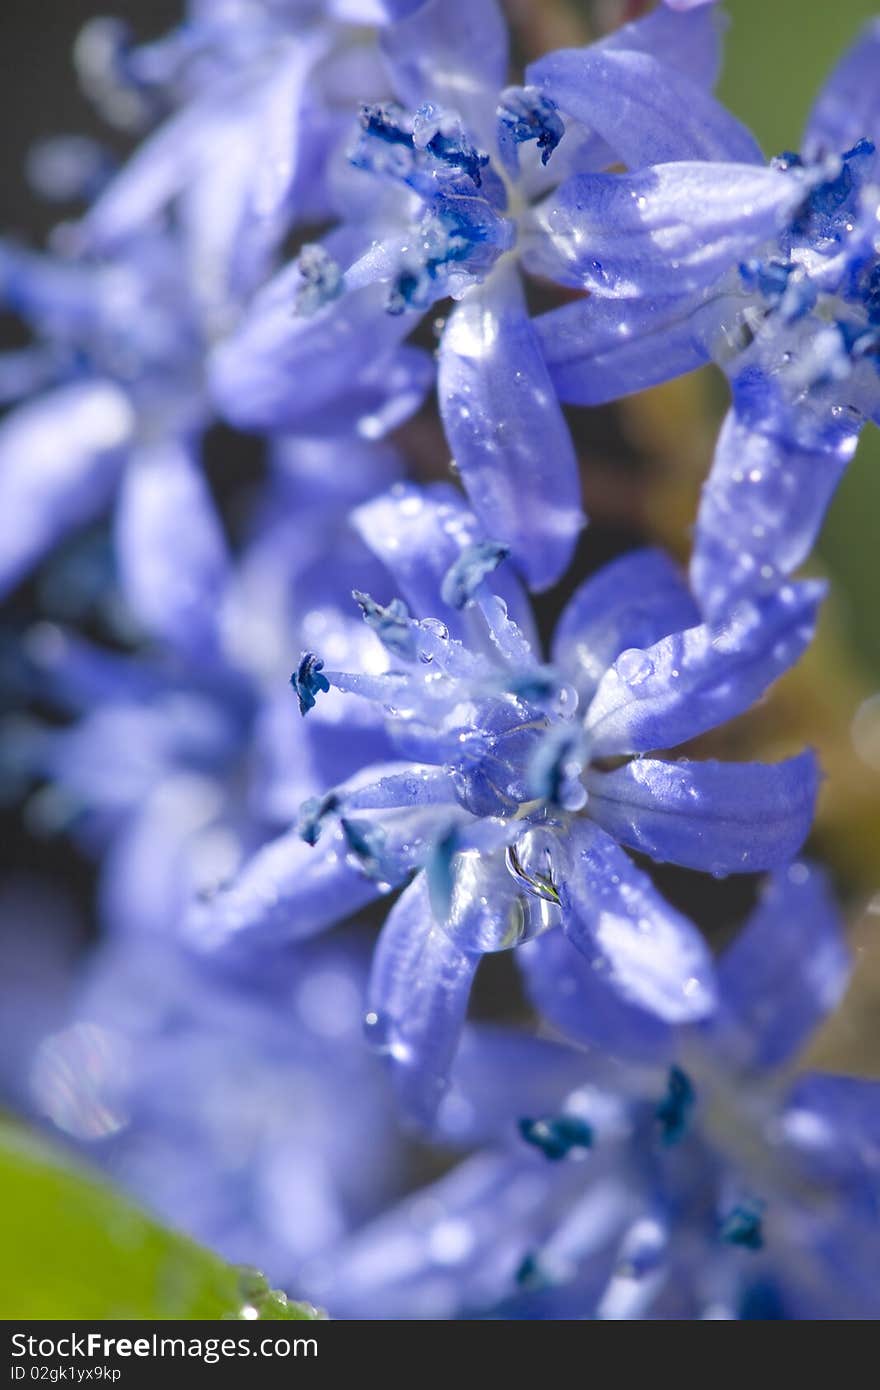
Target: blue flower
<point>171,770</point>
<point>125,308</point>
<point>267,84</point>
<point>449,195</point>
<point>794,322</point>
<point>123,418</point>
<point>516,784</point>
<point>259,81</point>
<point>231,1108</point>
<point>696,1181</point>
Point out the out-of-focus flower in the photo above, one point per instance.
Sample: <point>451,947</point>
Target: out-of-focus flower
<point>695,1181</point>
<point>125,307</point>
<point>171,769</point>
<point>250,97</point>
<point>246,1113</point>
<point>522,782</point>
<point>120,408</point>
<point>449,195</point>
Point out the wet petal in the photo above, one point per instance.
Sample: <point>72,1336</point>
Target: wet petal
<point>280,367</point>
<point>454,53</point>
<point>419,989</point>
<point>632,602</point>
<point>647,112</point>
<point>599,349</point>
<point>720,817</point>
<point>477,1110</point>
<point>690,42</point>
<point>288,890</point>
<point>695,680</point>
<point>646,952</point>
<point>383,396</point>
<point>762,507</point>
<point>418,533</point>
<point>507,432</point>
<point>573,996</point>
<point>670,229</point>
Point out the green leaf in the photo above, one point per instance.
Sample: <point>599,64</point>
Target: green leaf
<point>74,1248</point>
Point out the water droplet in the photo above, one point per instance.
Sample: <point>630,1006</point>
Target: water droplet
<point>533,863</point>
<point>377,1031</point>
<point>634,666</point>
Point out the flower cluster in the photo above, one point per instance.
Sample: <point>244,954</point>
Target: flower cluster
<point>348,226</point>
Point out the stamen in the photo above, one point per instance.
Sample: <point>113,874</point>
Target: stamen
<point>391,624</point>
<point>386,121</point>
<point>322,280</point>
<point>556,1136</point>
<point>441,134</point>
<point>365,843</point>
<point>312,815</point>
<point>467,573</point>
<point>308,682</point>
<point>555,766</point>
<point>529,1275</point>
<point>744,1226</point>
<point>526,113</point>
<point>674,1111</point>
<point>441,879</point>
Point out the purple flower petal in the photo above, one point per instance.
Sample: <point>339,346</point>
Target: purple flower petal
<point>476,1110</point>
<point>670,229</point>
<point>645,951</point>
<point>418,534</point>
<point>287,891</point>
<point>721,817</point>
<point>692,681</point>
<point>574,997</point>
<point>454,53</point>
<point>762,506</point>
<point>631,602</point>
<point>506,431</point>
<point>785,972</point>
<point>418,996</point>
<point>690,42</point>
<point>647,112</point>
<point>599,349</point>
<point>279,367</point>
